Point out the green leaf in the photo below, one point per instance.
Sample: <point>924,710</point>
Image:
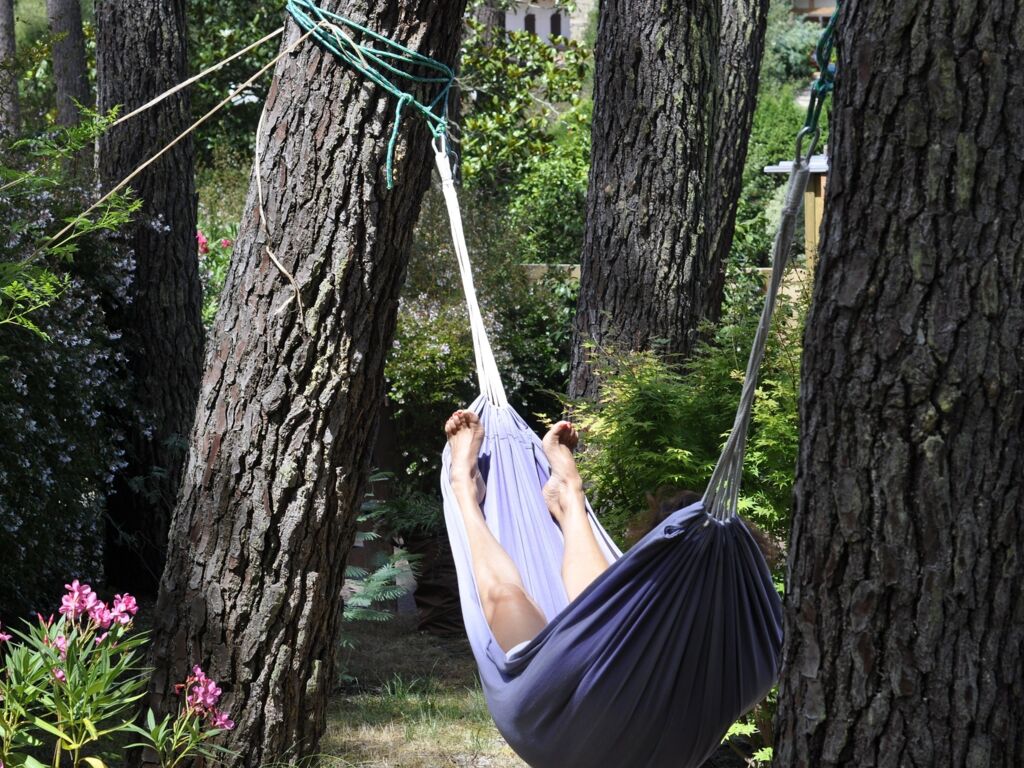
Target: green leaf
<point>51,729</point>
<point>95,762</point>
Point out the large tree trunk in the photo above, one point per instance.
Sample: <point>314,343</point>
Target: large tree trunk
<point>10,117</point>
<point>741,46</point>
<point>904,618</point>
<point>644,261</point>
<point>289,404</point>
<point>69,70</point>
<point>162,325</point>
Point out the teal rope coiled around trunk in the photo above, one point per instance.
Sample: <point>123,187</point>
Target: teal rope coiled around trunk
<point>383,62</point>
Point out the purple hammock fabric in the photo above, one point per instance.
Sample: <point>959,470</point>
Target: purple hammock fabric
<point>653,662</point>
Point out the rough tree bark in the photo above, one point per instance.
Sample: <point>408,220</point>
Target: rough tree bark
<point>289,404</point>
<point>675,86</point>
<point>69,71</point>
<point>740,50</point>
<point>10,116</point>
<point>905,615</point>
<point>140,53</point>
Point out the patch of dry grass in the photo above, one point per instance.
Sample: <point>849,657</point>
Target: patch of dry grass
<point>411,701</point>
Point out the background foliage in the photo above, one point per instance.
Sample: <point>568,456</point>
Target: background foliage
<point>62,371</point>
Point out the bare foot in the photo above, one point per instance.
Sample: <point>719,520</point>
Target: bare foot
<point>563,492</point>
<point>466,435</point>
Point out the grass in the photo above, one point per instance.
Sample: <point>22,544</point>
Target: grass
<point>410,700</point>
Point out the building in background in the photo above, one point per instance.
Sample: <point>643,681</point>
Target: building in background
<point>547,19</point>
<point>815,10</point>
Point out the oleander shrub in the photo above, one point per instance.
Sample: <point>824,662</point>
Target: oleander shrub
<point>70,686</point>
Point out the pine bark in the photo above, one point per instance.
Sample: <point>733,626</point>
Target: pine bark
<point>904,619</point>
<point>69,69</point>
<point>741,48</point>
<point>645,249</point>
<point>10,115</point>
<point>290,403</point>
<point>141,52</point>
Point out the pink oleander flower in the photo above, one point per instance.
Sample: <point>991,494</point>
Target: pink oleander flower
<point>101,638</point>
<point>101,615</point>
<point>79,600</point>
<point>206,694</point>
<point>201,697</point>
<point>59,675</point>
<point>61,644</point>
<point>124,608</point>
<point>218,719</point>
<point>204,244</point>
<point>4,638</point>
<point>225,242</point>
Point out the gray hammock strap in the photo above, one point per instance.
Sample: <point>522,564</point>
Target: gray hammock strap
<point>486,366</point>
<point>721,499</point>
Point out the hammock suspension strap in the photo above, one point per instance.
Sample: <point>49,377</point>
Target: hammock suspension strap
<point>486,366</point>
<point>721,499</point>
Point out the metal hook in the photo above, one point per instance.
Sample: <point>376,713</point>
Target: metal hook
<point>815,134</point>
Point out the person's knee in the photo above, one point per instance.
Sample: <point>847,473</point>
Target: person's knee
<point>504,594</point>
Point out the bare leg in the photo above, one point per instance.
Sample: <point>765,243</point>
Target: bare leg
<point>511,614</point>
<point>583,561</point>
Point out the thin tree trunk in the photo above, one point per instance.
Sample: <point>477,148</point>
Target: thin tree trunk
<point>10,116</point>
<point>289,405</point>
<point>645,249</point>
<point>741,46</point>
<point>69,70</point>
<point>162,325</point>
<point>904,618</point>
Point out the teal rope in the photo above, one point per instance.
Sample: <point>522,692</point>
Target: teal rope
<point>381,61</point>
<point>825,83</point>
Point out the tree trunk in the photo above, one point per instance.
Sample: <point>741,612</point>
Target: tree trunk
<point>644,261</point>
<point>289,405</point>
<point>162,325</point>
<point>741,46</point>
<point>904,620</point>
<point>10,117</point>
<point>69,70</point>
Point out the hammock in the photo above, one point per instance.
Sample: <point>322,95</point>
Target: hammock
<point>681,635</point>
<point>652,663</point>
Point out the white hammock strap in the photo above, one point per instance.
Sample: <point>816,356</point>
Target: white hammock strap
<point>486,366</point>
<point>721,499</point>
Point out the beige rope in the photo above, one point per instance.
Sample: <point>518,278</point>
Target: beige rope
<point>195,78</point>
<point>168,93</point>
<point>53,241</point>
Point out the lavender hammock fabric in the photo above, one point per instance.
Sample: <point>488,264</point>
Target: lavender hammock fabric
<point>676,639</point>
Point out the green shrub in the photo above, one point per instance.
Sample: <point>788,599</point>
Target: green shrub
<point>655,425</point>
<point>516,88</point>
<point>548,205</point>
<point>777,120</point>
<point>789,43</point>
<point>62,373</point>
